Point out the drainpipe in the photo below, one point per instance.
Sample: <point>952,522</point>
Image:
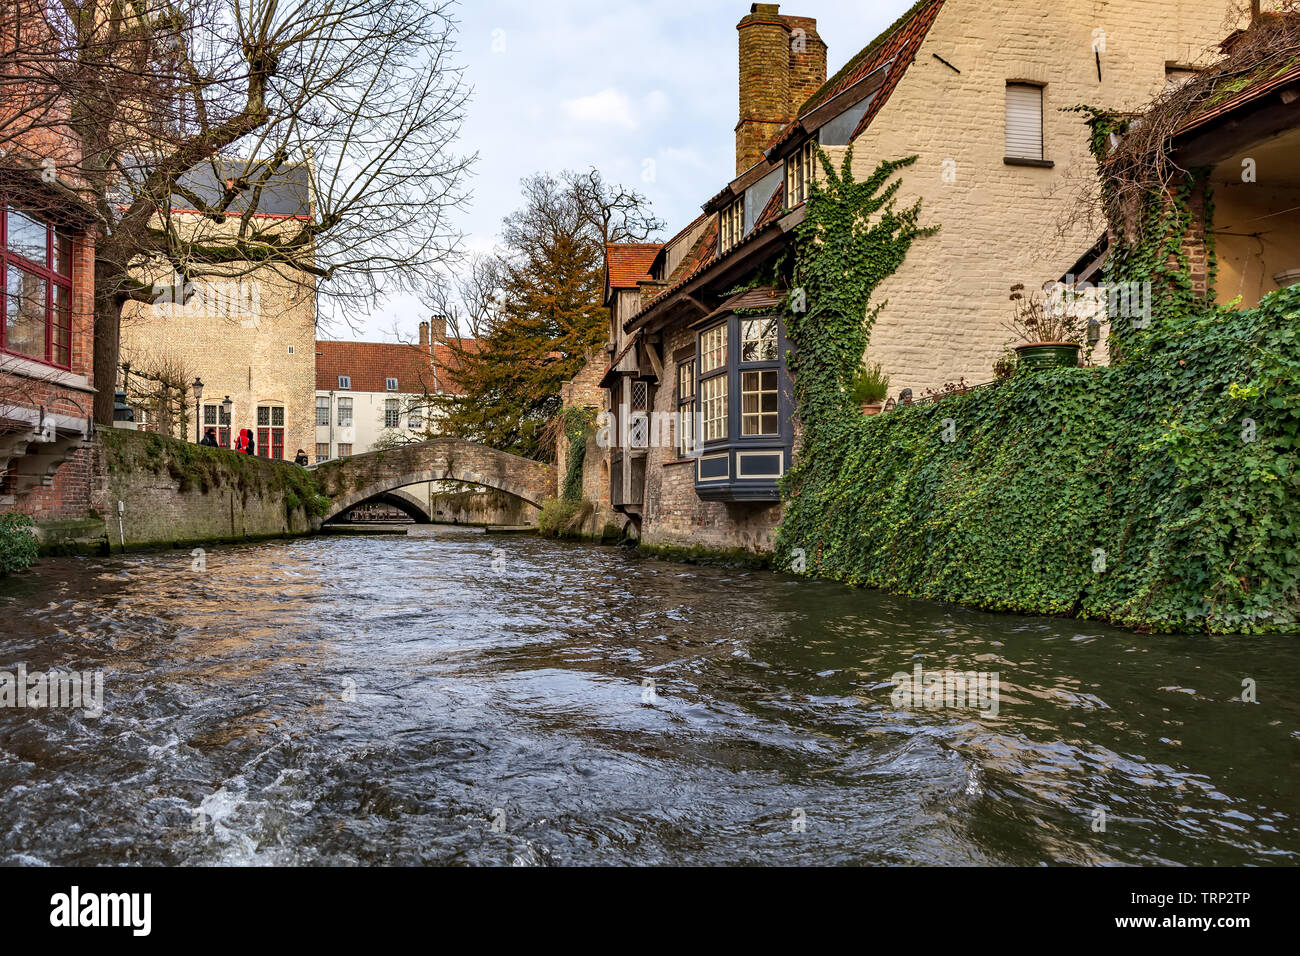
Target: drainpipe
<point>333,415</point>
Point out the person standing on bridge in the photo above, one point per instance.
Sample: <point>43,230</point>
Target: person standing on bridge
<point>301,459</point>
<point>245,444</point>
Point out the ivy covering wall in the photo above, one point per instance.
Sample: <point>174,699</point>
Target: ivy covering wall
<point>1161,493</point>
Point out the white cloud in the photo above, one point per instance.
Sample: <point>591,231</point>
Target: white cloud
<point>609,107</point>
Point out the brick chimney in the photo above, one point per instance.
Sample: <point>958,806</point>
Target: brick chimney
<point>438,328</point>
<point>782,63</point>
<point>424,335</point>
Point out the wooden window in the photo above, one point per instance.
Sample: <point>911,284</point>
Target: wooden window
<point>713,407</point>
<point>713,349</point>
<point>758,403</point>
<point>345,412</point>
<point>36,268</point>
<point>390,384</point>
<point>270,431</point>
<point>345,382</point>
<point>323,410</point>
<point>416,419</point>
<point>686,409</point>
<point>345,449</point>
<point>799,173</point>
<point>1024,121</point>
<point>322,451</point>
<point>758,340</point>
<point>392,413</point>
<point>216,416</point>
<point>731,226</point>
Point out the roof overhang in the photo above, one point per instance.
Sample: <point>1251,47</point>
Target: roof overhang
<point>1251,117</point>
<point>815,119</point>
<point>757,248</point>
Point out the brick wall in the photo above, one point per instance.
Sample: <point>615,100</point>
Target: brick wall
<point>242,502</point>
<point>673,513</point>
<point>946,307</point>
<point>68,393</point>
<point>240,352</point>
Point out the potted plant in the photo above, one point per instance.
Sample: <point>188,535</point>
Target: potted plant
<point>1052,336</point>
<point>869,388</point>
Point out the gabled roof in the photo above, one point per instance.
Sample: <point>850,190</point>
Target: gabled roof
<point>906,31</point>
<point>627,263</point>
<point>895,49</point>
<point>370,364</point>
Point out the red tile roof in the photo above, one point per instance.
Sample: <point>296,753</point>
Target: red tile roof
<point>627,263</point>
<point>370,364</point>
<point>896,46</point>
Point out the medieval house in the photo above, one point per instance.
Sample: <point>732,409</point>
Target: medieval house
<point>701,423</point>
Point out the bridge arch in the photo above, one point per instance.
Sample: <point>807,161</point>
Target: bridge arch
<point>350,481</point>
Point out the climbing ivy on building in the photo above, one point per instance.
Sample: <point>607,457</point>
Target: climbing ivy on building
<point>576,423</point>
<point>1161,493</point>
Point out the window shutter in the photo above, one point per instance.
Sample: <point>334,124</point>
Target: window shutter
<point>1024,121</point>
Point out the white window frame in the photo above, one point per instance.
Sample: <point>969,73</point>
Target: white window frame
<point>345,383</point>
<point>1025,133</point>
<point>799,174</point>
<point>731,225</point>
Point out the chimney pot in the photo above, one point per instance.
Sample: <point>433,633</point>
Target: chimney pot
<point>438,329</point>
<point>782,62</point>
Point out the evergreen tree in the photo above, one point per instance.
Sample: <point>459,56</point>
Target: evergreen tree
<point>547,315</point>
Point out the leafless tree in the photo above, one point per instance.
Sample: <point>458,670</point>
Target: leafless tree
<point>147,107</point>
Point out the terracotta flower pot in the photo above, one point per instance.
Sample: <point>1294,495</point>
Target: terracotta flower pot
<point>1049,354</point>
<point>872,408</point>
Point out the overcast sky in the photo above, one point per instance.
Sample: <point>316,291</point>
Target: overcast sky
<point>644,91</point>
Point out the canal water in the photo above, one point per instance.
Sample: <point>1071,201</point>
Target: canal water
<point>452,697</point>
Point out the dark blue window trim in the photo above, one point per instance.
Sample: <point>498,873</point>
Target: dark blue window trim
<point>744,455</point>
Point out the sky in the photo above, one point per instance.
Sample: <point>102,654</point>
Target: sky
<point>644,91</point>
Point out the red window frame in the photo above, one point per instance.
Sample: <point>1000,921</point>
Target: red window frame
<point>270,438</point>
<point>53,281</point>
<point>219,421</point>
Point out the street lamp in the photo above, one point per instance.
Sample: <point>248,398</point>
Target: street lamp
<point>198,394</point>
<point>226,406</point>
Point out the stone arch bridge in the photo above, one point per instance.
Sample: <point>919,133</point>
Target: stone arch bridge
<point>378,474</point>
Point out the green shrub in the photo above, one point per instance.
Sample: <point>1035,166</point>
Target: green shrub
<point>18,545</point>
<point>1162,492</point>
<point>563,519</point>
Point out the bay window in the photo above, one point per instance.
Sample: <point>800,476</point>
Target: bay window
<point>742,398</point>
<point>37,289</point>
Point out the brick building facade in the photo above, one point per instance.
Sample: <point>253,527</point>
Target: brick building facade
<point>48,230</point>
<point>699,399</point>
<point>249,335</point>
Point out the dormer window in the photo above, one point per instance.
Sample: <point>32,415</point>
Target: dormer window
<point>798,174</point>
<point>731,225</point>
<point>390,384</point>
<point>345,382</point>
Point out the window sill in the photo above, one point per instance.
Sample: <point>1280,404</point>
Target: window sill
<point>679,461</point>
<point>1035,163</point>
